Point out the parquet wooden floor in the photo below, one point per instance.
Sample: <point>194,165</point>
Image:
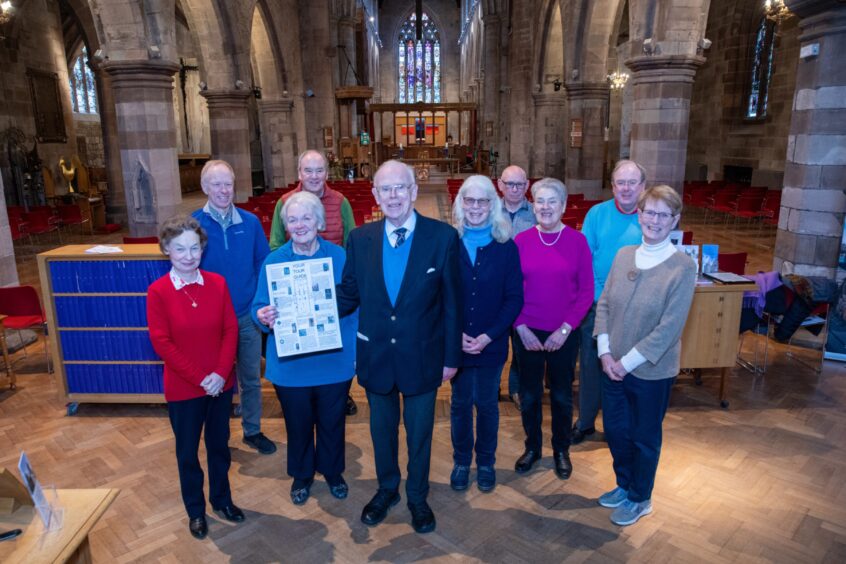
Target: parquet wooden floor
<point>760,482</point>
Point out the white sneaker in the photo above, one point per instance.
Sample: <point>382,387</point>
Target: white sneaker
<point>629,512</point>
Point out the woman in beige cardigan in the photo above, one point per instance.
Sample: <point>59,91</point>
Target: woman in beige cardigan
<point>639,320</point>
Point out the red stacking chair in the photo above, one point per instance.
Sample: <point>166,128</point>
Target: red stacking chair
<point>71,215</point>
<point>140,240</point>
<point>732,262</point>
<point>42,222</point>
<point>23,310</point>
<point>748,207</point>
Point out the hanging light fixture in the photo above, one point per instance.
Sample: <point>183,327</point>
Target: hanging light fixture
<point>6,10</point>
<point>617,80</point>
<point>776,11</point>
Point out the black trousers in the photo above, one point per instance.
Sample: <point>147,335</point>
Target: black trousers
<point>189,419</point>
<point>560,366</point>
<point>418,415</point>
<point>315,411</point>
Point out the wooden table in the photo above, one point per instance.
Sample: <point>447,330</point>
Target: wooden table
<point>10,373</point>
<point>452,163</point>
<point>712,331</point>
<point>83,508</point>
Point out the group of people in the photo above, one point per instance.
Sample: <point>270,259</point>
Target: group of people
<point>422,303</point>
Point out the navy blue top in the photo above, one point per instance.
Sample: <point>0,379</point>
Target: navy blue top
<point>492,289</point>
<point>313,369</point>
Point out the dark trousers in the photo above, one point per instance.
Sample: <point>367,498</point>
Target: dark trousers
<point>188,419</point>
<point>475,386</point>
<point>559,366</point>
<point>514,370</point>
<point>315,411</point>
<point>590,374</point>
<point>418,415</point>
<point>632,413</point>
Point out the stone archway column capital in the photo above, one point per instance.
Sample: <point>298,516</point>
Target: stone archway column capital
<point>226,99</point>
<point>664,68</point>
<point>140,74</point>
<point>279,105</point>
<point>549,99</point>
<point>587,90</point>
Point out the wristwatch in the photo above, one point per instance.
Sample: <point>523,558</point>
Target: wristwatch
<point>564,331</point>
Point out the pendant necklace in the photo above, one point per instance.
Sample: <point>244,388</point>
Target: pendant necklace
<point>190,297</point>
<point>560,231</point>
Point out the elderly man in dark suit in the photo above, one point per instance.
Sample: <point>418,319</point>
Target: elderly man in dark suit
<point>403,274</point>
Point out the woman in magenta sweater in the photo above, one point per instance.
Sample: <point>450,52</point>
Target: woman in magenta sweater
<point>558,291</point>
<point>194,330</point>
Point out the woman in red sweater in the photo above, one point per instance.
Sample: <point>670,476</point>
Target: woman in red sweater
<point>193,328</point>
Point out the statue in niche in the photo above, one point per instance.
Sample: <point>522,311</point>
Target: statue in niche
<point>142,194</point>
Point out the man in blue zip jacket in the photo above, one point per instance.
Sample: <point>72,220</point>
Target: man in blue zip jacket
<point>236,250</point>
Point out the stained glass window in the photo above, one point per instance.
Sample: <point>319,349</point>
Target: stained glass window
<point>82,85</point>
<point>418,62</point>
<point>761,70</point>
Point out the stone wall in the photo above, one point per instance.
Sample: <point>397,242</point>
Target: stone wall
<point>90,132</point>
<point>719,133</point>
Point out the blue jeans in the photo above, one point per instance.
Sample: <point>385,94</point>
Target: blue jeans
<point>632,413</point>
<point>418,415</point>
<point>475,386</point>
<point>590,374</point>
<point>248,371</point>
<point>560,366</point>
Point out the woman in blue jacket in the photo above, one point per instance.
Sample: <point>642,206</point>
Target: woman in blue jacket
<point>492,287</point>
<point>312,388</point>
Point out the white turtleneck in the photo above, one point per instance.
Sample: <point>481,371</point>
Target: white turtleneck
<point>646,256</point>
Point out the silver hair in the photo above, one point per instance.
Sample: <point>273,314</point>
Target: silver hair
<point>620,164</point>
<point>306,152</point>
<point>500,226</point>
<point>308,200</point>
<point>551,184</point>
<point>393,163</point>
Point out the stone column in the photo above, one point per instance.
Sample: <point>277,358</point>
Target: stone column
<point>116,211</point>
<point>661,88</point>
<point>489,107</point>
<point>589,103</point>
<point>548,143</point>
<point>813,204</point>
<point>278,141</point>
<point>143,103</point>
<point>8,267</point>
<point>229,124</point>
<point>346,44</point>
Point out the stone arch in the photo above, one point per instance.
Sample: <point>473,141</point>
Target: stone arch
<point>267,62</point>
<point>551,37</point>
<point>217,41</point>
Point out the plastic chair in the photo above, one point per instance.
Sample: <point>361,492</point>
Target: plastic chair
<point>71,215</point>
<point>23,310</point>
<point>732,262</point>
<point>140,240</point>
<point>42,222</point>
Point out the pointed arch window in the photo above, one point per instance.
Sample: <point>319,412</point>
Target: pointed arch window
<point>83,88</point>
<point>418,62</point>
<point>761,70</point>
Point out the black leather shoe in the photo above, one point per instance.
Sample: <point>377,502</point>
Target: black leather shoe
<point>230,512</point>
<point>525,462</point>
<point>376,511</point>
<point>578,435</point>
<point>563,466</point>
<point>422,518</point>
<point>351,408</point>
<point>198,527</point>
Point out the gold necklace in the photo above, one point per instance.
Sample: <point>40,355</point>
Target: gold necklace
<point>190,297</point>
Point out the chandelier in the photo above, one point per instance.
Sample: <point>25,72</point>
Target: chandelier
<point>776,11</point>
<point>617,80</point>
<point>5,12</point>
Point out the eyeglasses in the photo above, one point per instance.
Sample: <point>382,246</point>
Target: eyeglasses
<point>652,214</point>
<point>513,185</point>
<point>630,182</point>
<point>398,189</point>
<point>472,202</point>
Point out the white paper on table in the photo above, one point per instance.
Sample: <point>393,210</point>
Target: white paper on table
<point>103,250</point>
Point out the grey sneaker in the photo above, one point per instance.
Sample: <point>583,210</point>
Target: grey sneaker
<point>629,512</point>
<point>614,498</point>
<point>260,443</point>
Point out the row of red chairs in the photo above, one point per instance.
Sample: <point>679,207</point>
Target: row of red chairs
<point>40,220</point>
<point>734,201</point>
